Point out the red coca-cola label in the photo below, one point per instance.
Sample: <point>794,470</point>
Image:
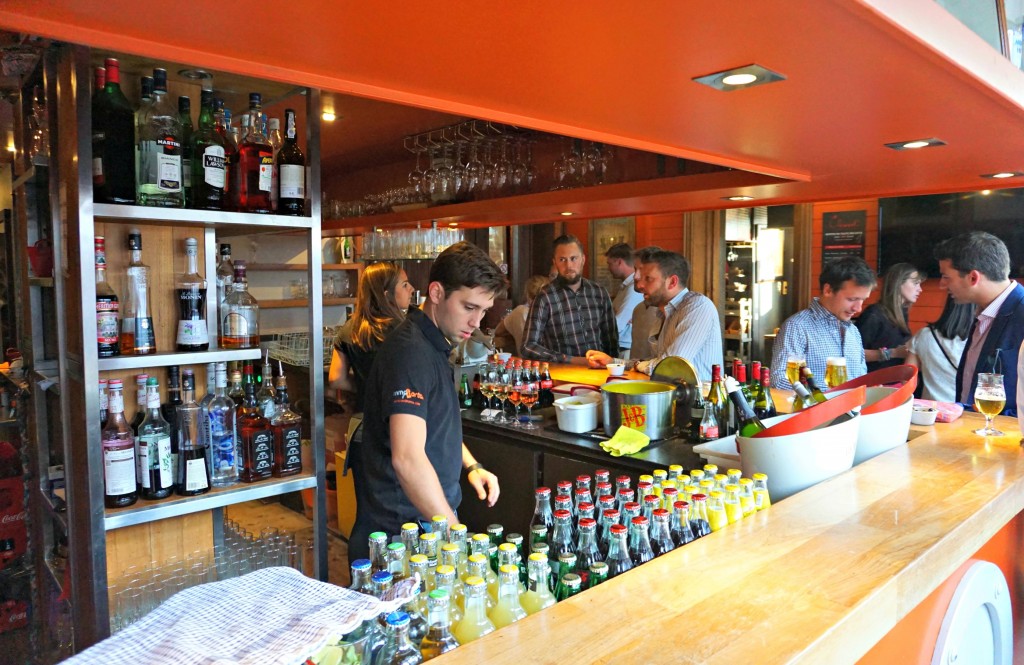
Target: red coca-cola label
<point>13,534</point>
<point>13,615</point>
<point>546,384</point>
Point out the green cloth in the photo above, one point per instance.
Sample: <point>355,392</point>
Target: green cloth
<point>626,442</point>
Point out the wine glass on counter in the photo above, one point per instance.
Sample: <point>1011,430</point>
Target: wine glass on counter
<point>487,374</point>
<point>528,396</point>
<point>989,400</point>
<point>515,394</point>
<point>502,386</point>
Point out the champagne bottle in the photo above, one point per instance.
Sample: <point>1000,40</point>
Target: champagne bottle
<point>747,422</point>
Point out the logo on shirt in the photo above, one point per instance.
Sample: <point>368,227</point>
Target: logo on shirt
<point>408,395</point>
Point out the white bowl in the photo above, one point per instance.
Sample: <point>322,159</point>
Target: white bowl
<point>578,413</point>
<point>923,415</point>
<point>616,369</point>
<point>882,431</point>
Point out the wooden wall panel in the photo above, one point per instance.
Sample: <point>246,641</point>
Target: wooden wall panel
<point>665,231</point>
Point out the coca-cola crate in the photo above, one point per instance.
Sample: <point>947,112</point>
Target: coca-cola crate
<point>13,534</point>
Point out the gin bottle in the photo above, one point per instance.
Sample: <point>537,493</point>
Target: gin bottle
<point>156,482</point>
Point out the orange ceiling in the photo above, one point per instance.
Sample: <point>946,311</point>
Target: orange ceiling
<point>859,73</point>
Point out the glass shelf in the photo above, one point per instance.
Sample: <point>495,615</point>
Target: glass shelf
<point>186,216</point>
<point>186,358</point>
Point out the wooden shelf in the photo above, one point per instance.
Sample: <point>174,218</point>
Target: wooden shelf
<point>40,281</point>
<point>302,266</point>
<point>303,302</point>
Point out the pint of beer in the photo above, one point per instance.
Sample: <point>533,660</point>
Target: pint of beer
<point>835,372</point>
<point>793,366</point>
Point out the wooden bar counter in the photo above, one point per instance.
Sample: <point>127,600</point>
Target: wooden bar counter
<point>820,577</point>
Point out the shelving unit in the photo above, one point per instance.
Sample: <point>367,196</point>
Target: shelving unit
<point>738,312</point>
<point>303,302</point>
<point>97,536</point>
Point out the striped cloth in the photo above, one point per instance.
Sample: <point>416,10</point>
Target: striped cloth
<point>815,334</point>
<point>691,330</point>
<point>274,616</point>
<point>563,323</point>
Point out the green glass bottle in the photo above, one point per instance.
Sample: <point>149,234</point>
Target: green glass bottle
<point>747,422</point>
<point>807,377</point>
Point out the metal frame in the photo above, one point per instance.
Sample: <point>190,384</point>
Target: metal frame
<point>86,518</point>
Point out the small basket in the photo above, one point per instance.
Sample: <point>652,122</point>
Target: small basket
<point>293,348</point>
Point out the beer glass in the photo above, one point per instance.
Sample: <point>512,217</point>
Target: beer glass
<point>835,372</point>
<point>989,400</point>
<point>793,365</point>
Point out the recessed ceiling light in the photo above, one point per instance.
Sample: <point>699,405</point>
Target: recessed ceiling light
<point>328,116</point>
<point>565,213</point>
<point>453,224</point>
<point>915,144</point>
<point>195,74</point>
<point>738,198</point>
<point>738,78</point>
<point>986,192</point>
<point>1003,174</point>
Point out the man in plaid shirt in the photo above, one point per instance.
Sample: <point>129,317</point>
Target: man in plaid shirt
<point>571,315</point>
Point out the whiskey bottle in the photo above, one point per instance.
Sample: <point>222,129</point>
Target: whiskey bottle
<point>275,140</point>
<point>191,292</point>
<point>220,415</point>
<point>158,143</point>
<point>193,453</point>
<point>291,166</point>
<point>240,318</point>
<point>107,306</point>
<point>185,119</point>
<point>118,453</point>
<point>154,436</point>
<point>137,334</point>
<point>113,136</point>
<point>266,400</point>
<point>287,428</point>
<point>170,413</point>
<point>254,176</point>
<point>255,438</point>
<point>222,122</point>
<point>236,392</point>
<point>208,160</point>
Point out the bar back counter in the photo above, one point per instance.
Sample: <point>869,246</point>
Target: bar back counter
<point>832,574</point>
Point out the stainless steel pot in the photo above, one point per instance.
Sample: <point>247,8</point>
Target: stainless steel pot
<point>647,406</point>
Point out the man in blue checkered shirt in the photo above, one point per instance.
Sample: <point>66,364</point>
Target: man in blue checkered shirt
<point>826,329</point>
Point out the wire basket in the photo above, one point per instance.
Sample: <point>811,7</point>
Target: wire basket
<point>293,348</point>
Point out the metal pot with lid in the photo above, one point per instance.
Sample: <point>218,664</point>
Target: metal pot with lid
<point>651,406</point>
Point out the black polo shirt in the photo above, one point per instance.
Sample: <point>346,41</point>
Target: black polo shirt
<point>410,375</point>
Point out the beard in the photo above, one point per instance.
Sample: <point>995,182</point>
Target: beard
<point>572,281</point>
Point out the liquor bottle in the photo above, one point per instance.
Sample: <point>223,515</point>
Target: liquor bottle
<point>291,166</point>
<point>119,469</point>
<point>275,141</point>
<point>397,648</point>
<point>193,452</point>
<point>155,447</point>
<point>104,402</point>
<point>748,424</point>
<point>113,137</point>
<point>764,406</point>
<point>159,180</point>
<point>191,291</point>
<point>225,277</point>
<point>107,306</point>
<point>265,397</point>
<point>236,392</point>
<point>287,428</point>
<point>208,160</point>
<point>254,175</point>
<point>679,527</point>
<point>508,608</point>
<point>220,425</point>
<point>137,334</point>
<point>222,120</point>
<point>185,119</point>
<point>169,409</point>
<point>475,622</point>
<point>542,509</point>
<point>807,378</point>
<point>255,438</point>
<point>140,404</point>
<point>240,319</point>
<point>618,558</point>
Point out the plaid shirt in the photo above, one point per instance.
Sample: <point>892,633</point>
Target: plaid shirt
<point>563,323</point>
<point>816,334</point>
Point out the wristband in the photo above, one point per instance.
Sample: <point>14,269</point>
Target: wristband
<point>474,467</point>
<point>886,354</point>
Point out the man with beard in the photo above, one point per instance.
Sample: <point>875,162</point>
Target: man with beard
<point>646,321</point>
<point>619,259</point>
<point>571,315</point>
<point>690,326</point>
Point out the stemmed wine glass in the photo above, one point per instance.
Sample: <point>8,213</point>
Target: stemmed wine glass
<point>528,396</point>
<point>989,399</point>
<point>502,387</point>
<point>517,384</point>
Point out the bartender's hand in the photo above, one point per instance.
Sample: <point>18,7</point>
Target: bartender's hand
<point>486,485</point>
<point>597,359</point>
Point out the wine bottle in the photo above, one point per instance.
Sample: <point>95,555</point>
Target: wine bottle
<point>764,405</point>
<point>747,422</point>
<point>807,377</point>
<point>113,136</point>
<point>291,166</point>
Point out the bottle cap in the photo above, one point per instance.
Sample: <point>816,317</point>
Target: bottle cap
<point>507,547</point>
<point>681,505</point>
<point>396,547</point>
<point>545,491</point>
<point>185,104</point>
<point>419,559</point>
<point>539,557</point>
<point>564,485</point>
<point>562,514</point>
<point>274,123</point>
<point>474,581</point>
<point>618,528</point>
<point>225,249</point>
<point>255,99</point>
<point>160,79</point>
<point>361,564</point>
<point>588,523</point>
<point>640,520</point>
<point>760,476</point>
<point>382,577</point>
<point>398,619</point>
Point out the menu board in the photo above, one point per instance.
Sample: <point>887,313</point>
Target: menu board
<point>843,234</point>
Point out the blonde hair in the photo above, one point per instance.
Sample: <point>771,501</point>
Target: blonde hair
<point>534,285</point>
<point>376,311</point>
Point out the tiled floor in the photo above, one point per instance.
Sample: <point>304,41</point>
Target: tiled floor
<point>256,515</point>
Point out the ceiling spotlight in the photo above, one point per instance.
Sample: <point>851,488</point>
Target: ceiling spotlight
<point>565,213</point>
<point>1003,174</point>
<point>738,198</point>
<point>738,78</point>
<point>328,116</point>
<point>915,144</point>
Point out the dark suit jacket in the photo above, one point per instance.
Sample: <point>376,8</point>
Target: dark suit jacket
<point>1006,334</point>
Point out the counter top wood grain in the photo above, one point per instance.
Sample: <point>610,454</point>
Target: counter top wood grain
<point>819,577</point>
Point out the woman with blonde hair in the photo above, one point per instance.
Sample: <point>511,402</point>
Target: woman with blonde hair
<point>383,295</point>
<point>509,334</point>
<point>883,326</point>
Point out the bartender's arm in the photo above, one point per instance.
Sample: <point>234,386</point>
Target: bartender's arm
<point>339,377</point>
<point>483,481</point>
<point>412,466</point>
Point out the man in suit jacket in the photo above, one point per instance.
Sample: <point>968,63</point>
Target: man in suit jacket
<point>975,268</point>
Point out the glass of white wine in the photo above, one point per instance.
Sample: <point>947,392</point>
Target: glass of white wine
<point>989,400</point>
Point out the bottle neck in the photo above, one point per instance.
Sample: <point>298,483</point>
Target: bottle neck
<point>193,262</point>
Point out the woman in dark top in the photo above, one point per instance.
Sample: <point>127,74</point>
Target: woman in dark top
<point>383,296</point>
<point>883,326</point>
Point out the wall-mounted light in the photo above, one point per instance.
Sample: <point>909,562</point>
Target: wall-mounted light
<point>915,144</point>
<point>738,78</point>
<point>328,116</point>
